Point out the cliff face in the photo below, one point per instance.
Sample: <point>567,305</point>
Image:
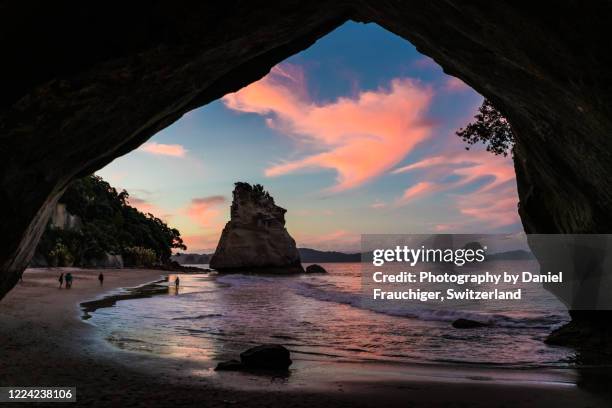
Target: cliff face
<point>255,238</point>
<point>62,219</point>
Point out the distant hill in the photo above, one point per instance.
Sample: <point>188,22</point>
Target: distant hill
<point>309,255</point>
<point>518,254</point>
<point>191,259</point>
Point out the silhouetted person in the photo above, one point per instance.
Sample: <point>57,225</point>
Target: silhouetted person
<point>177,282</point>
<point>61,279</point>
<point>68,280</point>
<point>101,278</point>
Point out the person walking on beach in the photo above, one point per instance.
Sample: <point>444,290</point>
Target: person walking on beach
<point>177,282</point>
<point>68,280</point>
<point>61,280</point>
<point>101,278</point>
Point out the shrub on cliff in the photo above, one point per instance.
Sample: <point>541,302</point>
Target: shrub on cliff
<point>490,128</point>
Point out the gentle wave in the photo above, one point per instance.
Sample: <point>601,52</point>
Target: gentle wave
<point>356,300</point>
<point>198,317</point>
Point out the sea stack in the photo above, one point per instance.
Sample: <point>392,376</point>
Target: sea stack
<point>255,238</point>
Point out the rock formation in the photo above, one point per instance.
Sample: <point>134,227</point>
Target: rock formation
<point>315,268</point>
<point>255,238</point>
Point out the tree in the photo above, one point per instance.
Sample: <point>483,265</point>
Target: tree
<point>490,128</point>
<point>109,225</point>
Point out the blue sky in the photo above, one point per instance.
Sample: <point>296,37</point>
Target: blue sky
<point>353,135</point>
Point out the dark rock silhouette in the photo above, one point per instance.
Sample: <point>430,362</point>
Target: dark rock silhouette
<point>231,365</point>
<point>266,356</point>
<point>468,324</point>
<point>255,238</point>
<point>315,268</point>
<point>271,357</point>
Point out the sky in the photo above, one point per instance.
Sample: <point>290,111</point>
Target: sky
<point>354,135</point>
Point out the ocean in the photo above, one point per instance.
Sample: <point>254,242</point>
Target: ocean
<point>322,317</point>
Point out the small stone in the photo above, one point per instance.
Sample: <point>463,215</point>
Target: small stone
<point>266,356</point>
<point>468,324</point>
<point>231,365</point>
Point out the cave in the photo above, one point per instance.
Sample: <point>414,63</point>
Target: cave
<point>85,83</point>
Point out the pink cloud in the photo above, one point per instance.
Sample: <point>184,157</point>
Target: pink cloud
<point>359,137</point>
<point>470,165</point>
<point>443,227</point>
<point>201,243</point>
<point>205,211</point>
<point>378,204</point>
<point>495,208</point>
<point>174,150</point>
<point>493,203</point>
<point>148,208</point>
<point>426,63</point>
<point>418,190</point>
<point>453,84</point>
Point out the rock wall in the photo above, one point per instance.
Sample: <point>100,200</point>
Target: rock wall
<point>255,238</point>
<point>62,219</point>
<point>86,82</point>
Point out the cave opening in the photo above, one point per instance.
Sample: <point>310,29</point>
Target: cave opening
<point>87,84</point>
<point>373,126</point>
<point>351,141</point>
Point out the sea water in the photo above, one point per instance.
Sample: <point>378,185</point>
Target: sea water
<point>214,317</point>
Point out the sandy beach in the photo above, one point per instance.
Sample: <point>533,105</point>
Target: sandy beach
<point>45,342</point>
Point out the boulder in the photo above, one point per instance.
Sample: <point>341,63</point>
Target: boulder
<point>266,356</point>
<point>315,268</point>
<point>231,365</point>
<point>593,339</point>
<point>255,238</point>
<point>468,324</point>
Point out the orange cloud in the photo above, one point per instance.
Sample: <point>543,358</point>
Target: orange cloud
<point>205,212</point>
<point>359,137</point>
<point>174,150</point>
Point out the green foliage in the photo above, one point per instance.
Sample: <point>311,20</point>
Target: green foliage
<point>257,190</point>
<point>139,256</point>
<point>110,225</point>
<point>490,128</point>
<point>60,256</point>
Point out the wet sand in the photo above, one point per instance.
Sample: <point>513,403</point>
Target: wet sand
<point>45,342</point>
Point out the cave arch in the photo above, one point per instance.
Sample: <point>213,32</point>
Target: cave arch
<point>86,83</point>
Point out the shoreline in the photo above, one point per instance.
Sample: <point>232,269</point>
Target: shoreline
<point>45,341</point>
